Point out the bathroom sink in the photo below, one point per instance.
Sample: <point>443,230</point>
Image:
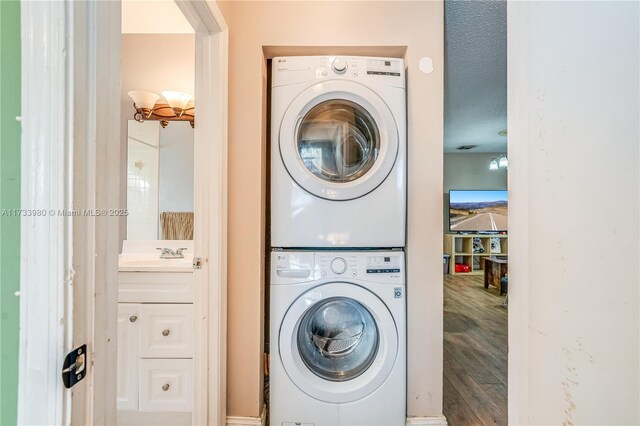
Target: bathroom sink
<point>148,263</point>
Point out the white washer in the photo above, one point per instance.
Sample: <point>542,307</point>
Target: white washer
<point>338,152</point>
<point>337,338</point>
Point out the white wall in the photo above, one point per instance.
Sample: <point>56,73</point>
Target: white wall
<point>470,171</point>
<point>574,213</point>
<point>142,179</point>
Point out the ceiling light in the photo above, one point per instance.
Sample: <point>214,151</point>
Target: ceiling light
<point>178,107</point>
<point>503,161</point>
<point>493,165</point>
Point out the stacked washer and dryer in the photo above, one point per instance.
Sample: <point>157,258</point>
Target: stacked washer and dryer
<point>338,225</point>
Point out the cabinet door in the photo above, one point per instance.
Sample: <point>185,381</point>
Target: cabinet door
<point>167,331</point>
<point>128,354</point>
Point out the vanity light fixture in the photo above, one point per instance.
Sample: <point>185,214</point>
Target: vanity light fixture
<point>179,107</point>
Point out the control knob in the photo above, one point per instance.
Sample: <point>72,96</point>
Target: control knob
<point>338,265</point>
<point>339,66</point>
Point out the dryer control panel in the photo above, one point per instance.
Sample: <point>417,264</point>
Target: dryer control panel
<point>299,69</point>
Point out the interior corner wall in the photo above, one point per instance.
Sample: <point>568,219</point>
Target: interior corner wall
<point>307,27</point>
<point>470,171</point>
<point>574,213</point>
<point>10,130</point>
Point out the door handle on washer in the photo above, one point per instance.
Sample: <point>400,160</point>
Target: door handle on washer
<point>293,273</point>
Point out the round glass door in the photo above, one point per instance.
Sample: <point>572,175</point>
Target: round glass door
<point>338,342</point>
<point>338,141</point>
<point>338,339</point>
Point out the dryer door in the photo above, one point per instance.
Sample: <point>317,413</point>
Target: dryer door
<point>338,342</point>
<point>338,140</point>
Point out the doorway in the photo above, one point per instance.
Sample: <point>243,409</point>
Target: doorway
<point>475,213</point>
<point>81,122</point>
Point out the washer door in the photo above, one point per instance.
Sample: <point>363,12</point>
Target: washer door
<point>338,342</point>
<point>338,140</point>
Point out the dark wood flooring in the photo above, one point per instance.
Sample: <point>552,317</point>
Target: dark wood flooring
<point>475,352</point>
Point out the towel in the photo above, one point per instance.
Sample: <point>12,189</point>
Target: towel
<point>177,225</point>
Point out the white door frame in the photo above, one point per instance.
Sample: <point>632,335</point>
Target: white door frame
<point>210,174</point>
<point>71,161</point>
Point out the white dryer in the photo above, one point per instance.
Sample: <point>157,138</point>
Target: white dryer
<point>338,152</point>
<point>337,338</point>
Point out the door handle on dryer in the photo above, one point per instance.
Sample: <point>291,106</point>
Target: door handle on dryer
<point>293,273</point>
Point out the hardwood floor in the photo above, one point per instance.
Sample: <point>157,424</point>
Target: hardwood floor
<point>475,352</point>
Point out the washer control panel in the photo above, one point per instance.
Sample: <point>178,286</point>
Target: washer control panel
<point>290,267</point>
<point>383,264</point>
<point>365,265</point>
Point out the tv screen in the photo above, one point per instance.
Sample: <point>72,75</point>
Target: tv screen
<point>477,211</point>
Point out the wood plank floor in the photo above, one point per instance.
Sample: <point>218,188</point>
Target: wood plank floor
<point>475,353</point>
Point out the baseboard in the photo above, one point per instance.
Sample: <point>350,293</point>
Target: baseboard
<point>411,421</point>
<point>427,421</point>
<point>248,421</point>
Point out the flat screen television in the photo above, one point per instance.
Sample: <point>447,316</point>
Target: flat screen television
<point>477,211</point>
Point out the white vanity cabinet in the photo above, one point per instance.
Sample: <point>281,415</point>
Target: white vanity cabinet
<point>155,346</point>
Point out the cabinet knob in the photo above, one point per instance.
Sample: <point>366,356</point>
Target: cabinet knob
<point>165,333</point>
<point>133,318</point>
<point>165,387</point>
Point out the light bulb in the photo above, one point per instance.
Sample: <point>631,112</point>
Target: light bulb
<point>493,165</point>
<point>503,162</point>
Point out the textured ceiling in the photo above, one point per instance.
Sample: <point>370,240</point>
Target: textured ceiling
<point>475,81</point>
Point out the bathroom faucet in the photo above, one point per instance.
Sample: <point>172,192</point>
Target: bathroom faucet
<point>167,253</point>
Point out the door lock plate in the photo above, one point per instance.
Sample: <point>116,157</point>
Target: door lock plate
<point>74,366</point>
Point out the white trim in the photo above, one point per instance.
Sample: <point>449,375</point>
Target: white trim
<point>427,421</point>
<point>96,165</point>
<point>518,112</point>
<point>210,206</point>
<point>45,249</point>
<point>248,421</point>
<point>69,162</point>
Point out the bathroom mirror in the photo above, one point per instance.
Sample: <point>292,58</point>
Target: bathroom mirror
<point>159,181</point>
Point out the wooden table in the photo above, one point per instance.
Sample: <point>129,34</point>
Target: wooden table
<point>494,269</point>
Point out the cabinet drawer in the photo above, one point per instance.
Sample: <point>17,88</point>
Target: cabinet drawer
<point>167,331</point>
<point>155,287</point>
<point>166,385</point>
